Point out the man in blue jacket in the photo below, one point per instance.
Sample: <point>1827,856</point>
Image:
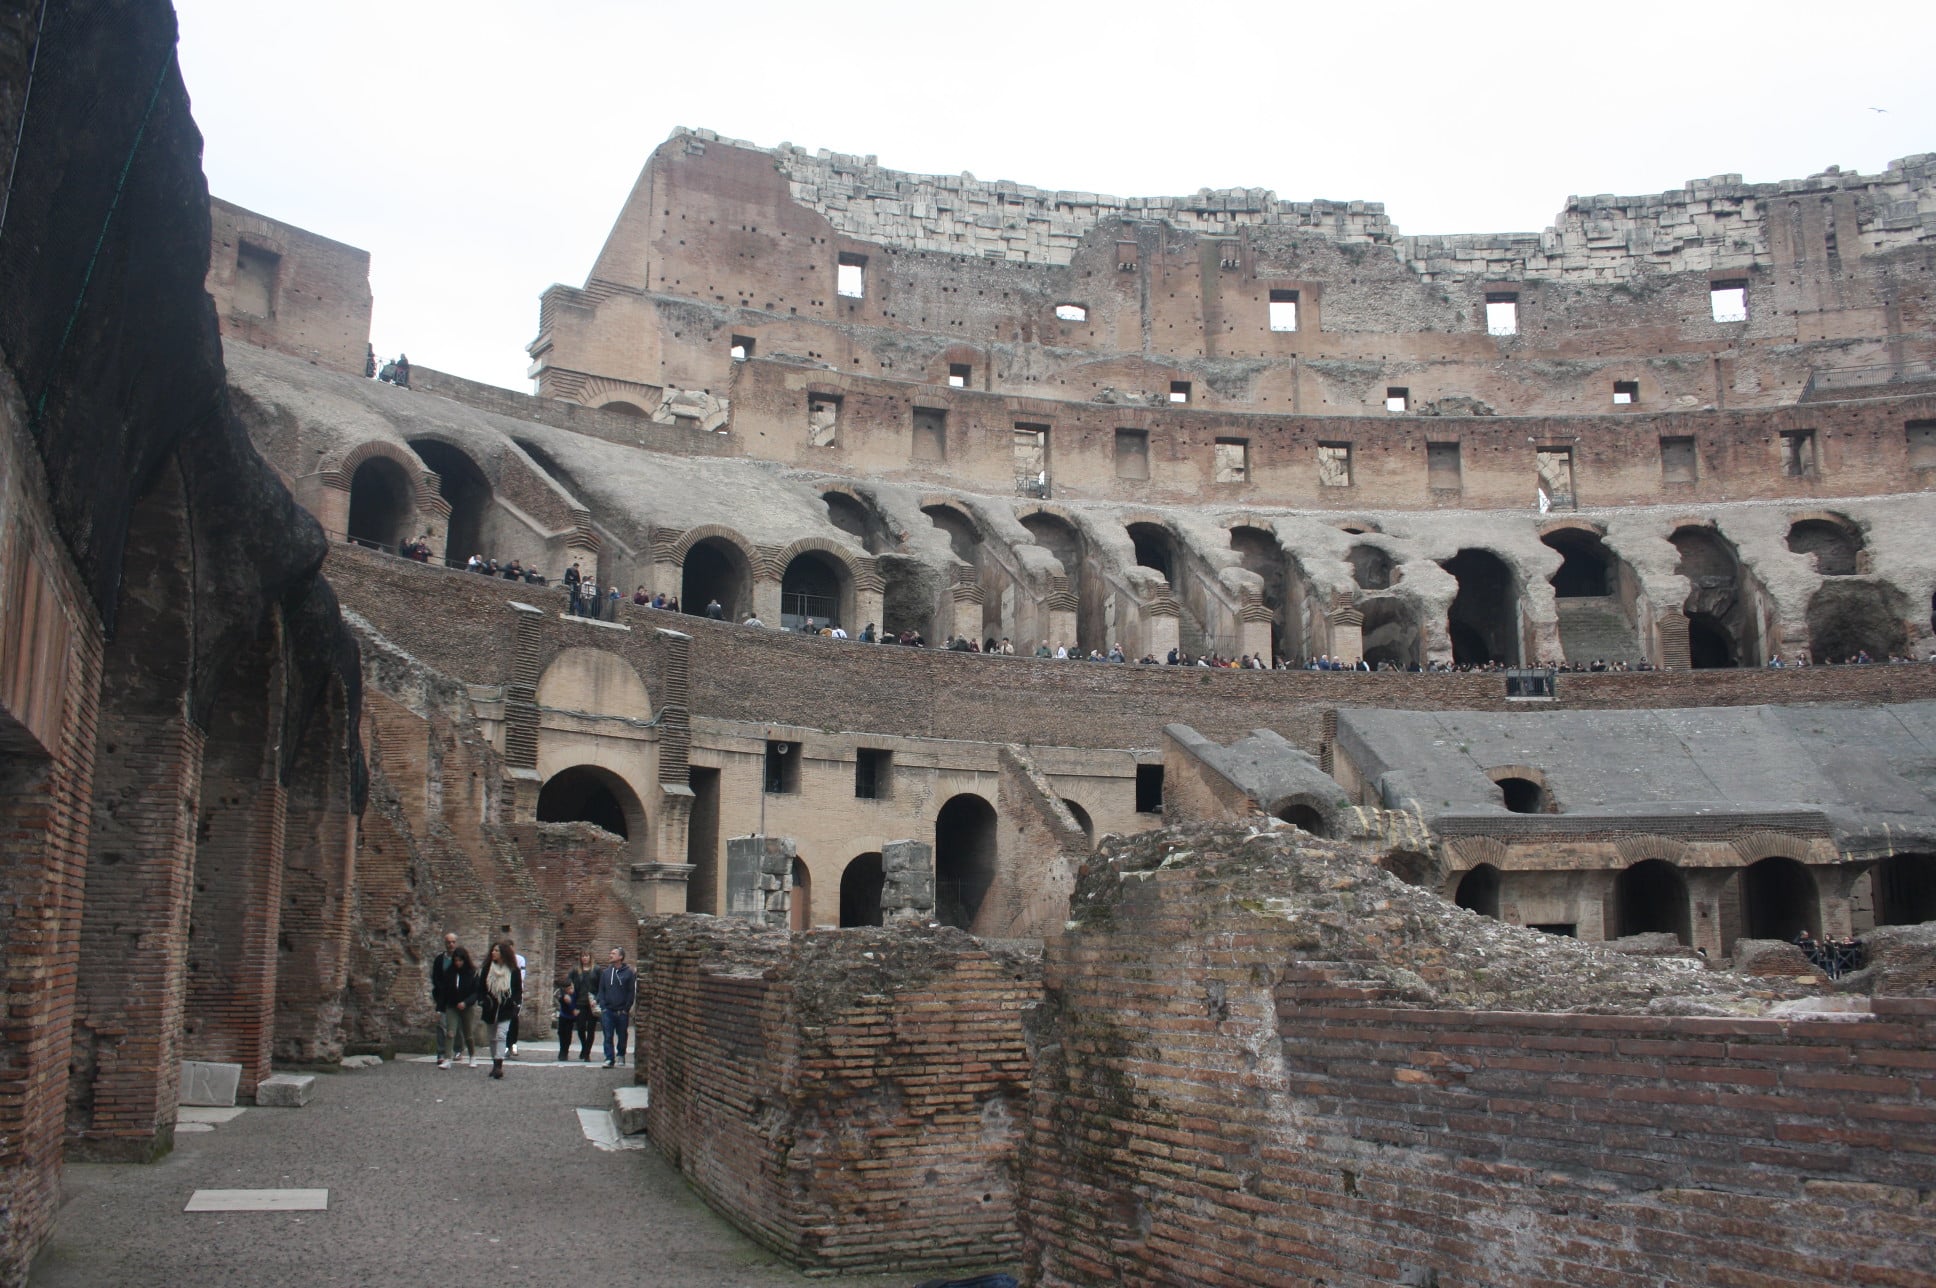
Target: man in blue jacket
<point>618,988</point>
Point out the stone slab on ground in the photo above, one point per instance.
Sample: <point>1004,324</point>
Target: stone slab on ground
<point>629,1105</point>
<point>601,1129</point>
<point>208,1114</point>
<point>258,1201</point>
<point>286,1090</point>
<point>362,1061</point>
<point>204,1082</point>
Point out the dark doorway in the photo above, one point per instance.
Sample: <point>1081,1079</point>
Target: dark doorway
<point>964,859</point>
<point>1390,632</point>
<point>1305,818</point>
<point>1778,900</point>
<point>1721,627</point>
<point>1061,539</point>
<point>1081,816</point>
<point>1586,568</point>
<point>717,569</point>
<point>1651,897</point>
<point>702,841</point>
<point>858,519</point>
<point>860,891</point>
<point>1709,646</point>
<point>811,587</point>
<point>1524,796</point>
<point>1155,548</point>
<point>1484,617</point>
<point>1283,586</point>
<point>1479,891</point>
<point>469,493</point>
<point>588,794</point>
<point>800,916</point>
<point>381,504</point>
<point>1835,545</point>
<point>1905,890</point>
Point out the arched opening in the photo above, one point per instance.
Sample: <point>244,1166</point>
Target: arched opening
<point>469,493</point>
<point>1479,891</point>
<point>591,794</point>
<point>382,503</point>
<point>860,890</point>
<point>1586,565</point>
<point>1720,618</point>
<point>800,914</point>
<point>1303,817</point>
<point>715,568</point>
<point>1848,618</point>
<point>858,520</point>
<point>1524,795</point>
<point>1778,900</point>
<point>625,409</point>
<point>963,535</point>
<point>909,590</point>
<point>1484,617</point>
<point>815,584</point>
<point>1155,548</point>
<point>1835,545</point>
<point>1083,821</point>
<point>1905,890</point>
<point>1650,897</point>
<point>1391,633</point>
<point>1283,586</point>
<point>1371,567</point>
<point>964,859</point>
<point>1062,539</point>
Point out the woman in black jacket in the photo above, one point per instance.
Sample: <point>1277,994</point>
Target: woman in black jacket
<point>462,1004</point>
<point>500,992</point>
<point>584,982</point>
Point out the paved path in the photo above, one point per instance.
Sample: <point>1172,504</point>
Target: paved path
<point>435,1177</point>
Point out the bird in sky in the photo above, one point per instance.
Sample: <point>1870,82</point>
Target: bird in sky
<point>1878,109</point>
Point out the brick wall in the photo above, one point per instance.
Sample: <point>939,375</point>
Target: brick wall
<point>282,287</point>
<point>1214,1103</point>
<point>581,869</point>
<point>849,1100</point>
<point>319,882</point>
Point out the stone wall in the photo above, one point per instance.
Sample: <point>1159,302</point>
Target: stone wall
<point>1267,1060</point>
<point>280,287</point>
<point>851,1101</point>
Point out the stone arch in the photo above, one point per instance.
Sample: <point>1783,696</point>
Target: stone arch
<point>818,578</point>
<point>1588,568</point>
<point>1483,618</point>
<point>624,407</point>
<point>1371,566</point>
<point>1847,617</point>
<point>1904,886</point>
<point>1523,789</point>
<point>715,562</point>
<point>964,528</point>
<point>1651,897</point>
<point>1722,625</point>
<point>595,682</point>
<point>860,890</point>
<point>383,510</point>
<point>964,859</point>
<point>1287,591</point>
<point>800,905</point>
<point>1083,821</point>
<point>1779,900</point>
<point>1833,541</point>
<point>1304,812</point>
<point>1479,890</point>
<point>966,536</point>
<point>1392,632</point>
<point>855,512</point>
<point>1056,530</point>
<point>465,489</point>
<point>601,392</point>
<point>594,794</point>
<point>1156,547</point>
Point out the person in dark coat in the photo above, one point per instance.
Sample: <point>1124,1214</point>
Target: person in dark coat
<point>584,981</point>
<point>500,993</point>
<point>618,986</point>
<point>453,989</point>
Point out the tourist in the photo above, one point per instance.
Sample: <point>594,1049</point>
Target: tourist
<point>612,600</point>
<point>714,611</point>
<point>584,982</point>
<point>640,598</point>
<point>402,375</point>
<point>573,579</point>
<point>369,361</point>
<point>672,604</point>
<point>569,1004</point>
<point>1042,650</point>
<point>658,600</point>
<point>867,633</point>
<point>752,619</point>
<point>452,980</point>
<point>512,1045</point>
<point>500,993</point>
<point>617,989</point>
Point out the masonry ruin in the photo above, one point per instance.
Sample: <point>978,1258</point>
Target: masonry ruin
<point>1102,972</point>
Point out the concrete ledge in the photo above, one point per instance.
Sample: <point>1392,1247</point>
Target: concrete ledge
<point>204,1082</point>
<point>628,1108</point>
<point>286,1090</point>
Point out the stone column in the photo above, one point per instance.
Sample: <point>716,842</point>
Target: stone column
<point>1254,620</point>
<point>1707,891</point>
<point>1162,626</point>
<point>659,888</point>
<point>907,882</point>
<point>759,879</point>
<point>1347,631</point>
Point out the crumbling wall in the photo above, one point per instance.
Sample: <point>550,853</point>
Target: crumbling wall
<point>1260,1059</point>
<point>852,1100</point>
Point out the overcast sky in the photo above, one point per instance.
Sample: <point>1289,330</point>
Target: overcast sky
<point>481,150</point>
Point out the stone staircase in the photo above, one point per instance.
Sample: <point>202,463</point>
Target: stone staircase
<point>1189,632</point>
<point>1596,627</point>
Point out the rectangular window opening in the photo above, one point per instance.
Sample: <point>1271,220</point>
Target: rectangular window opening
<point>1729,301</point>
<point>255,280</point>
<point>1625,392</point>
<point>1554,466</point>
<point>1334,465</point>
<point>1071,313</point>
<point>959,374</point>
<point>1179,391</point>
<point>742,348</point>
<point>1149,789</point>
<point>1032,460</point>
<point>1564,929</point>
<point>1132,454</point>
<point>850,278</point>
<point>1502,313</point>
<point>1798,453</point>
<point>1126,257</point>
<point>1677,461</point>
<point>1283,310</point>
<point>1397,399</point>
<point>823,420</point>
<point>1232,460</point>
<point>930,434</point>
<point>873,773</point>
<point>1921,435</point>
<point>782,768</point>
<point>1442,470</point>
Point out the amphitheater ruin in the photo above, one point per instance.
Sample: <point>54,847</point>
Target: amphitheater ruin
<point>1466,957</point>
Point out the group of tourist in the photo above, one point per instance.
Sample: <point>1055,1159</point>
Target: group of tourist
<point>1860,657</point>
<point>396,371</point>
<point>1835,957</point>
<point>510,571</point>
<point>465,993</point>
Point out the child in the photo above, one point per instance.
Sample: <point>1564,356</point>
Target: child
<point>568,1004</point>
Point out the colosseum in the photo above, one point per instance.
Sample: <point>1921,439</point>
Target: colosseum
<point>1153,740</point>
